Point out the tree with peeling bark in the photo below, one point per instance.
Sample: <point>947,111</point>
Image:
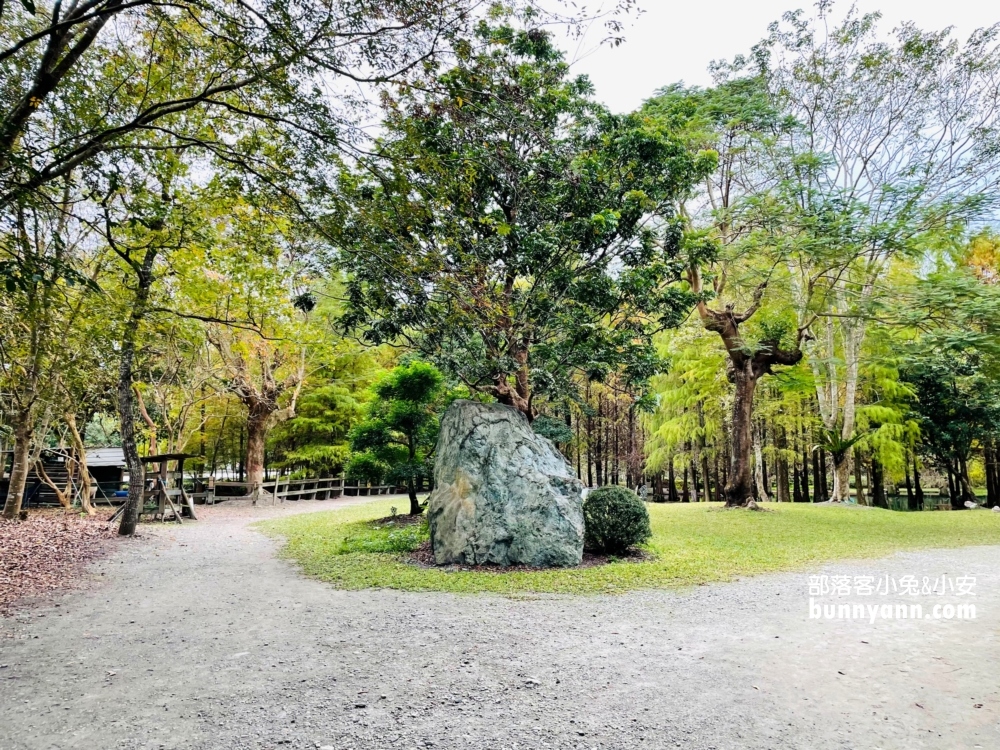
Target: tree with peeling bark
<point>513,231</point>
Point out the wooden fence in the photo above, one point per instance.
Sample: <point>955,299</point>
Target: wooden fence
<point>282,489</point>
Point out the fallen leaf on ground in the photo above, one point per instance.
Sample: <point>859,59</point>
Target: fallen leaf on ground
<point>44,553</point>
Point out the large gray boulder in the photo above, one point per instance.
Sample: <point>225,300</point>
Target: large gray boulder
<point>503,494</point>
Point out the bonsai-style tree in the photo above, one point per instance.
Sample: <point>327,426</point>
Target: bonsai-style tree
<point>397,440</point>
<point>512,230</point>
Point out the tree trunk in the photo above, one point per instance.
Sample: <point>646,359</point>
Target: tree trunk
<point>518,396</point>
<point>760,475</point>
<point>805,471</point>
<point>671,482</point>
<point>965,485</point>
<point>126,418</point>
<point>918,491</point>
<point>243,456</point>
<point>823,483</point>
<point>762,459</point>
<point>878,485</point>
<point>842,478</point>
<point>859,486</point>
<point>23,433</point>
<point>817,486</point>
<point>953,488</point>
<point>725,467</point>
<point>599,458</point>
<point>62,494</point>
<point>739,490</point>
<point>911,498</point>
<point>258,424</point>
<point>126,407</point>
<point>706,486</point>
<point>990,461</point>
<point>744,371</point>
<point>634,455</point>
<point>411,490</point>
<point>606,452</point>
<point>685,498</point>
<point>80,449</point>
<point>579,453</point>
<point>781,464</point>
<point>616,443</point>
<point>154,448</point>
<point>590,439</point>
<point>995,462</point>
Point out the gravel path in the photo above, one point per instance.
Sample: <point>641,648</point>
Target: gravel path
<point>197,637</point>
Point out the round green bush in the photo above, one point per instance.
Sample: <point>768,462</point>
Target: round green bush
<point>615,519</point>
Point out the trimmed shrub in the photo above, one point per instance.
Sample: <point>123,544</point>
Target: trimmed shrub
<point>615,519</point>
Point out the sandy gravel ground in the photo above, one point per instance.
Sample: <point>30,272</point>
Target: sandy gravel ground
<point>198,637</point>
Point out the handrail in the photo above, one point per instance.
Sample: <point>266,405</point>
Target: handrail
<point>312,488</point>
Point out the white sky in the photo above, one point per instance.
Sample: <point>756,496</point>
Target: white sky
<point>675,41</point>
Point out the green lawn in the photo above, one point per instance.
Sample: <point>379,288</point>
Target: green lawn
<point>691,543</point>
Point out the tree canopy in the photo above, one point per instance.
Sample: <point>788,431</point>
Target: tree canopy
<point>513,230</point>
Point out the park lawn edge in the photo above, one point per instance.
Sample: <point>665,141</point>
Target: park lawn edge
<point>692,544</point>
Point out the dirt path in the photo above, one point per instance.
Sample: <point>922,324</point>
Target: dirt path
<point>200,639</point>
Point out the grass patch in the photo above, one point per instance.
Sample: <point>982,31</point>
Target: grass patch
<point>384,535</point>
<point>692,543</point>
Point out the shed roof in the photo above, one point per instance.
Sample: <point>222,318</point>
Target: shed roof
<point>105,457</point>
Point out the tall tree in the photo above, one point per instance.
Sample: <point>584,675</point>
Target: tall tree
<point>953,367</point>
<point>43,296</point>
<point>737,243</point>
<point>896,142</point>
<point>837,152</point>
<point>514,231</point>
<point>87,65</point>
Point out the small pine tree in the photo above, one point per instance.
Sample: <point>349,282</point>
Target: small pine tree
<point>397,439</point>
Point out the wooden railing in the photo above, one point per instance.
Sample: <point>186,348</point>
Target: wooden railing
<point>305,489</point>
<point>282,489</point>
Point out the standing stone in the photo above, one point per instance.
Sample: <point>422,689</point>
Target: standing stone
<point>503,494</point>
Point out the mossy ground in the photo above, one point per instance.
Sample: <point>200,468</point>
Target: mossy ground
<point>691,544</point>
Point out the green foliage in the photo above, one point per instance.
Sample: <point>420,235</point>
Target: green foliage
<point>615,519</point>
<point>554,429</point>
<point>691,397</point>
<point>837,446</point>
<point>512,230</point>
<point>952,366</point>
<point>333,400</point>
<point>396,442</point>
<point>388,537</point>
<point>367,467</point>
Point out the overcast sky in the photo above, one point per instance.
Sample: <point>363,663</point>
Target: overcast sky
<point>676,40</point>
